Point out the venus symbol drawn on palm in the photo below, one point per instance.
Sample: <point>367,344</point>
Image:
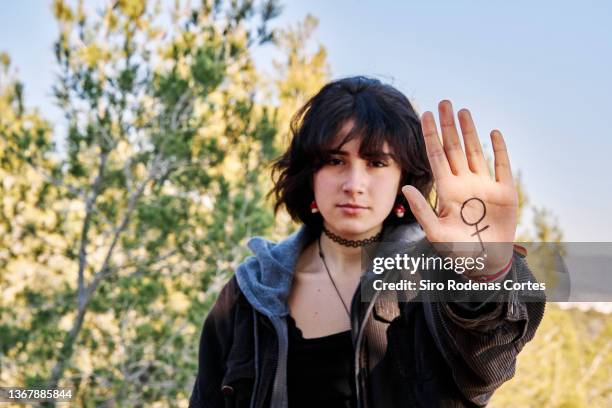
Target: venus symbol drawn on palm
<point>478,220</point>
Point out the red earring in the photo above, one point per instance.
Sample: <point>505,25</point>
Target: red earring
<point>400,210</point>
<point>313,207</point>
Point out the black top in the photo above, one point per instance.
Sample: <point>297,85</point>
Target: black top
<point>319,370</point>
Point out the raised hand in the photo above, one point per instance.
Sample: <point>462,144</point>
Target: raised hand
<point>473,205</point>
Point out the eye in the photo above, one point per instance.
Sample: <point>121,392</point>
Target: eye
<point>334,161</point>
<point>378,163</point>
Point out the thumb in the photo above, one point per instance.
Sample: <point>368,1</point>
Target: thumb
<point>419,206</point>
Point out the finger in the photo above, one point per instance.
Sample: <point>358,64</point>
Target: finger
<point>473,149</point>
<point>423,213</point>
<point>450,138</point>
<point>435,153</point>
<point>503,172</point>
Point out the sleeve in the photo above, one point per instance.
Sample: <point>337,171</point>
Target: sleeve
<point>215,341</point>
<point>480,343</point>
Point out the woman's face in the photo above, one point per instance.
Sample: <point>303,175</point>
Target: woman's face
<point>355,194</point>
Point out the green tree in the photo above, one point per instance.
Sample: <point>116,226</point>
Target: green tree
<point>29,237</point>
<point>149,205</point>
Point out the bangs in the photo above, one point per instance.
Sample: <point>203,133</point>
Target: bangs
<point>370,122</point>
<point>371,141</point>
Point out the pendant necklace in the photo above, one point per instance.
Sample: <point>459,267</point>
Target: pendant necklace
<point>332,279</point>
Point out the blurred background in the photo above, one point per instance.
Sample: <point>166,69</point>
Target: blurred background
<point>135,138</point>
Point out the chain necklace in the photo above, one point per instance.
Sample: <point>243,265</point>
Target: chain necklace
<point>349,242</point>
<point>332,279</point>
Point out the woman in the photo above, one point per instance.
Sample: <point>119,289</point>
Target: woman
<point>289,328</point>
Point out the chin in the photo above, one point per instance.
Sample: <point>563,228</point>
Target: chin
<point>351,227</point>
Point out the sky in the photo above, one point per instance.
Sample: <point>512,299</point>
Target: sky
<point>537,71</point>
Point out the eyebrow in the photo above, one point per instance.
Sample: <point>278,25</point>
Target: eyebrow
<point>379,155</point>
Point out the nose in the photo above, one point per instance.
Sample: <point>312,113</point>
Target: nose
<point>355,181</point>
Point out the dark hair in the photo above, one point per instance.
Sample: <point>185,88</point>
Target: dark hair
<point>379,113</point>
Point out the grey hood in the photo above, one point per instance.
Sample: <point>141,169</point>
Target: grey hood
<point>265,278</point>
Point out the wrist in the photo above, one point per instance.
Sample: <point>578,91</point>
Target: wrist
<point>492,275</point>
<point>495,273</point>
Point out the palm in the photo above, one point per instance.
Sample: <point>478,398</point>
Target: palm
<point>500,214</point>
<point>469,198</point>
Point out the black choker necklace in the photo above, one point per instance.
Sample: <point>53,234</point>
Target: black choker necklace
<point>349,242</point>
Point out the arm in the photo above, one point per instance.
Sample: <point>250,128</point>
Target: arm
<point>481,349</point>
<point>479,341</point>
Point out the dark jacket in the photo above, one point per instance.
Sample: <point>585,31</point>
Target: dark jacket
<point>421,353</point>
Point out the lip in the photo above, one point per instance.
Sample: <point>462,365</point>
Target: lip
<point>356,206</point>
<point>352,209</point>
